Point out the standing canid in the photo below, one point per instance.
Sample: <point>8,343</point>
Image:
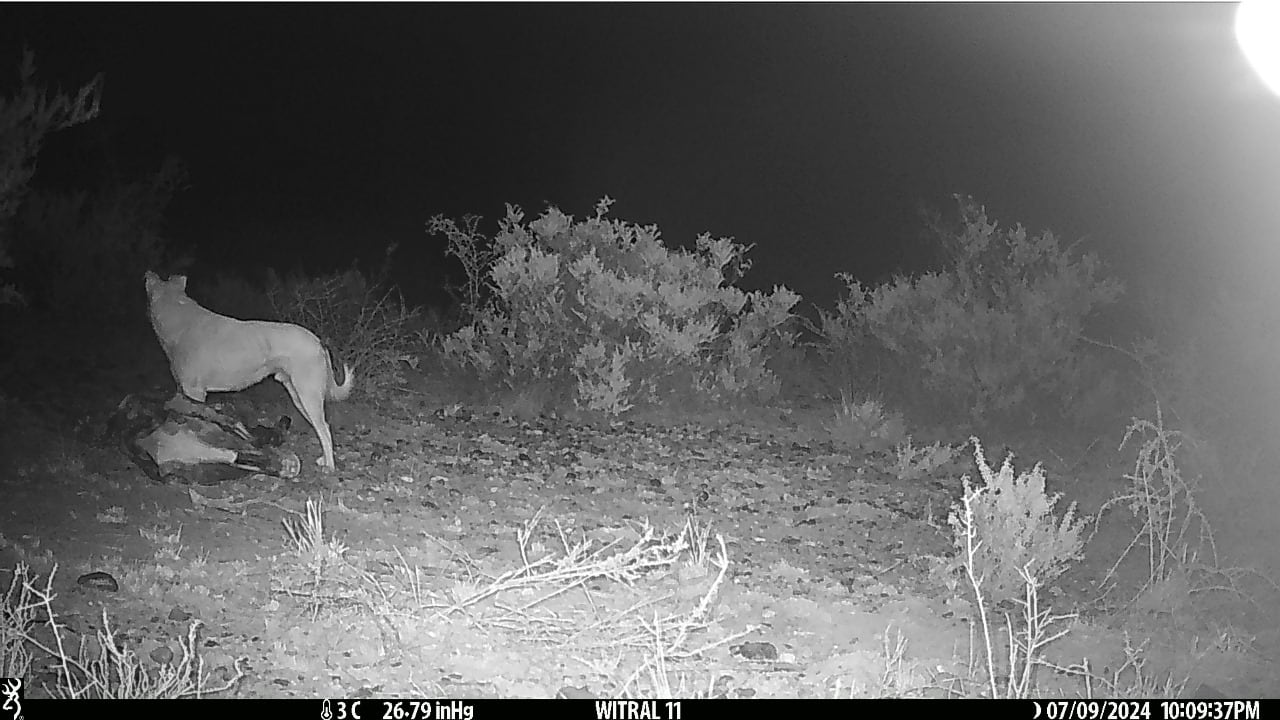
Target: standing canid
<point>208,351</point>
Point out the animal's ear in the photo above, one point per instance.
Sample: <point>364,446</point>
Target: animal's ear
<point>180,281</point>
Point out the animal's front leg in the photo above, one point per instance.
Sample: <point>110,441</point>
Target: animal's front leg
<point>193,389</point>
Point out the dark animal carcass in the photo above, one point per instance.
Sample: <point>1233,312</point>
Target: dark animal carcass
<point>178,438</point>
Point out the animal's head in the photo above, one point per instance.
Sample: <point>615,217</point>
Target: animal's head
<point>157,288</point>
<point>167,304</point>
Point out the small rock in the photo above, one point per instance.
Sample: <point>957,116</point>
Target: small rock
<point>99,581</point>
<point>723,686</point>
<point>162,655</point>
<point>177,614</point>
<point>568,692</point>
<point>755,651</point>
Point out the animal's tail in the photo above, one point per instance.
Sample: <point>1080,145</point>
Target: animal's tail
<point>341,392</point>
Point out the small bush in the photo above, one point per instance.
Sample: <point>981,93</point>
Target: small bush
<point>1017,534</point>
<point>367,326</point>
<point>83,251</point>
<point>912,463</point>
<point>25,119</point>
<point>867,426</point>
<point>602,309</point>
<point>1174,533</point>
<point>996,327</point>
<point>476,254</point>
<point>851,355</point>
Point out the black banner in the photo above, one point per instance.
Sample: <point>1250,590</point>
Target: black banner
<point>580,709</point>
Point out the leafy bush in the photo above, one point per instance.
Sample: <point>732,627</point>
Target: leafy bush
<point>1174,533</point>
<point>81,251</point>
<point>602,309</point>
<point>850,354</point>
<point>1012,519</point>
<point>995,328</point>
<point>476,254</point>
<point>25,119</point>
<point>366,325</point>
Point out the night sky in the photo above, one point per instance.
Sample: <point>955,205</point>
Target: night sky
<point>315,133</point>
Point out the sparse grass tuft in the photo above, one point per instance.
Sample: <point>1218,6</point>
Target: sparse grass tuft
<point>104,667</point>
<point>867,426</point>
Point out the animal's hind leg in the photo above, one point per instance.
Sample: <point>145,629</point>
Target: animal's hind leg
<point>293,392</point>
<point>312,409</point>
<point>315,414</point>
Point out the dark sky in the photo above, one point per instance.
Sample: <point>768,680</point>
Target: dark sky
<point>812,131</point>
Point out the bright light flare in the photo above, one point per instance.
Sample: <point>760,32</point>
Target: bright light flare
<point>1258,32</point>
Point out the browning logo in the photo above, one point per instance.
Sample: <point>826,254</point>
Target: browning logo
<point>11,691</point>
